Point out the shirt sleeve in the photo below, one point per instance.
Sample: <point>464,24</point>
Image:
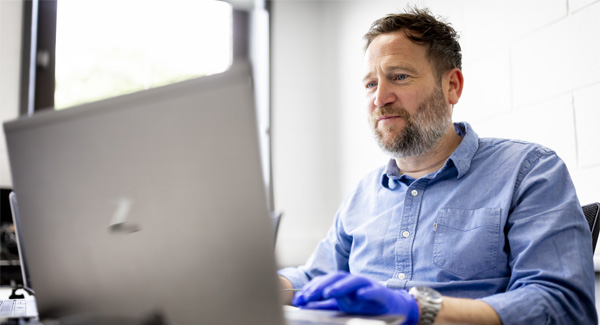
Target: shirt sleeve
<point>550,249</point>
<point>331,254</point>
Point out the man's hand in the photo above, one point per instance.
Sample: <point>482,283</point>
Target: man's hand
<point>356,295</point>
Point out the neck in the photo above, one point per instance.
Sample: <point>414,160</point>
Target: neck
<point>434,159</point>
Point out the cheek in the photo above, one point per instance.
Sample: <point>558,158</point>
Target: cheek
<point>369,104</point>
<point>413,102</point>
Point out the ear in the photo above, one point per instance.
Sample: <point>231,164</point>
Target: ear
<point>454,80</point>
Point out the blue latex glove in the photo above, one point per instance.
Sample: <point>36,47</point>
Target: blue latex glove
<point>356,295</point>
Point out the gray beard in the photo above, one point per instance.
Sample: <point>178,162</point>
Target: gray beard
<point>422,130</point>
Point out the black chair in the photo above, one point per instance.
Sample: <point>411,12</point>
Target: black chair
<point>591,214</point>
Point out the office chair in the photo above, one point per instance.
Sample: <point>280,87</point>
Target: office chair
<point>591,214</point>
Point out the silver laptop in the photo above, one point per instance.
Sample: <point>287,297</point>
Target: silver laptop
<point>148,207</point>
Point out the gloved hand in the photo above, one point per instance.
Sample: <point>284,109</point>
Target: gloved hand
<point>356,295</point>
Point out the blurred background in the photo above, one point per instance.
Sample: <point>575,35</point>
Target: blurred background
<point>531,72</point>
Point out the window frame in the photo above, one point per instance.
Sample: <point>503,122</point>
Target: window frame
<point>38,48</point>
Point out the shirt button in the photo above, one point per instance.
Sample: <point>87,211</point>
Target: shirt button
<point>405,234</point>
<point>414,192</point>
<point>401,276</point>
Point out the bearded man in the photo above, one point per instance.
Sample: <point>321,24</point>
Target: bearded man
<point>480,230</point>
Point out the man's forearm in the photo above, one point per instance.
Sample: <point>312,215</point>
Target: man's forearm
<point>466,311</point>
<point>286,296</point>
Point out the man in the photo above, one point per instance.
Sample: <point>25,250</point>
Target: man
<point>482,231</point>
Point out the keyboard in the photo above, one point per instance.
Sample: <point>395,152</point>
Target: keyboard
<point>15,308</point>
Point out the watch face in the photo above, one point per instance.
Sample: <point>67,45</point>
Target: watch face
<point>430,294</point>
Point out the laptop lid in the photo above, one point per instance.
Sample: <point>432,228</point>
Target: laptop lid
<point>149,206</point>
<point>14,209</point>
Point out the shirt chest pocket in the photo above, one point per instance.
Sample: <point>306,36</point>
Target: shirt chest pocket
<point>466,241</point>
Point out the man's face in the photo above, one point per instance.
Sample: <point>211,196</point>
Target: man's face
<point>407,107</point>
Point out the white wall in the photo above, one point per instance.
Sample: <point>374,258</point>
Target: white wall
<point>531,72</point>
<point>11,12</point>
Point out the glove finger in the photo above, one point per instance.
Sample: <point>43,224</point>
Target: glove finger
<point>313,291</point>
<point>329,304</point>
<point>374,293</point>
<point>347,285</point>
<point>298,299</point>
<point>392,301</point>
<point>356,305</point>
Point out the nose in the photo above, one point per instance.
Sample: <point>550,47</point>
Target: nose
<point>384,94</point>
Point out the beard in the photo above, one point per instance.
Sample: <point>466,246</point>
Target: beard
<point>422,131</point>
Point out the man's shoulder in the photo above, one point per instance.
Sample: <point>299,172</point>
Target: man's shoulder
<point>513,147</point>
<point>513,157</point>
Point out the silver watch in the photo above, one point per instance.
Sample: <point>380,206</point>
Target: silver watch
<point>430,303</point>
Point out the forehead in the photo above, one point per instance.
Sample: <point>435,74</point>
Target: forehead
<point>395,49</point>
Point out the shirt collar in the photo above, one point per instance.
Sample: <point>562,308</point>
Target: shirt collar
<point>460,158</point>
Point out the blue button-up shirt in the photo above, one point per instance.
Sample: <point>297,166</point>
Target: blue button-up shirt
<point>500,221</point>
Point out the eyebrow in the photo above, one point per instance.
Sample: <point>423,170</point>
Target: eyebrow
<point>406,68</point>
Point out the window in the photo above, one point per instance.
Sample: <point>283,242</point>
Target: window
<point>109,48</point>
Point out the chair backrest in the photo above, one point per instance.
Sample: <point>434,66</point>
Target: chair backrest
<point>591,214</point>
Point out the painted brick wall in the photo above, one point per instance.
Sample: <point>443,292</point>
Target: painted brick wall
<point>540,86</point>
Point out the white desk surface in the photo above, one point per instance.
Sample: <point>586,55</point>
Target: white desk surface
<point>5,292</point>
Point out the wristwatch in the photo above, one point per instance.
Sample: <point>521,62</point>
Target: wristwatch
<point>430,303</point>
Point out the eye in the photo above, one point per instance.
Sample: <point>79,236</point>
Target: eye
<point>370,85</point>
<point>400,77</point>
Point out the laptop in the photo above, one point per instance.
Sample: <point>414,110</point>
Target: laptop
<point>150,208</point>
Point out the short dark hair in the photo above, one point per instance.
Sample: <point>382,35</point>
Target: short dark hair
<point>421,27</point>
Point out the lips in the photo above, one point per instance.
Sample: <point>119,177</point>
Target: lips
<point>385,113</point>
<point>386,117</point>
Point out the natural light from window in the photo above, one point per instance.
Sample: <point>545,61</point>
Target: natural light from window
<point>109,48</point>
